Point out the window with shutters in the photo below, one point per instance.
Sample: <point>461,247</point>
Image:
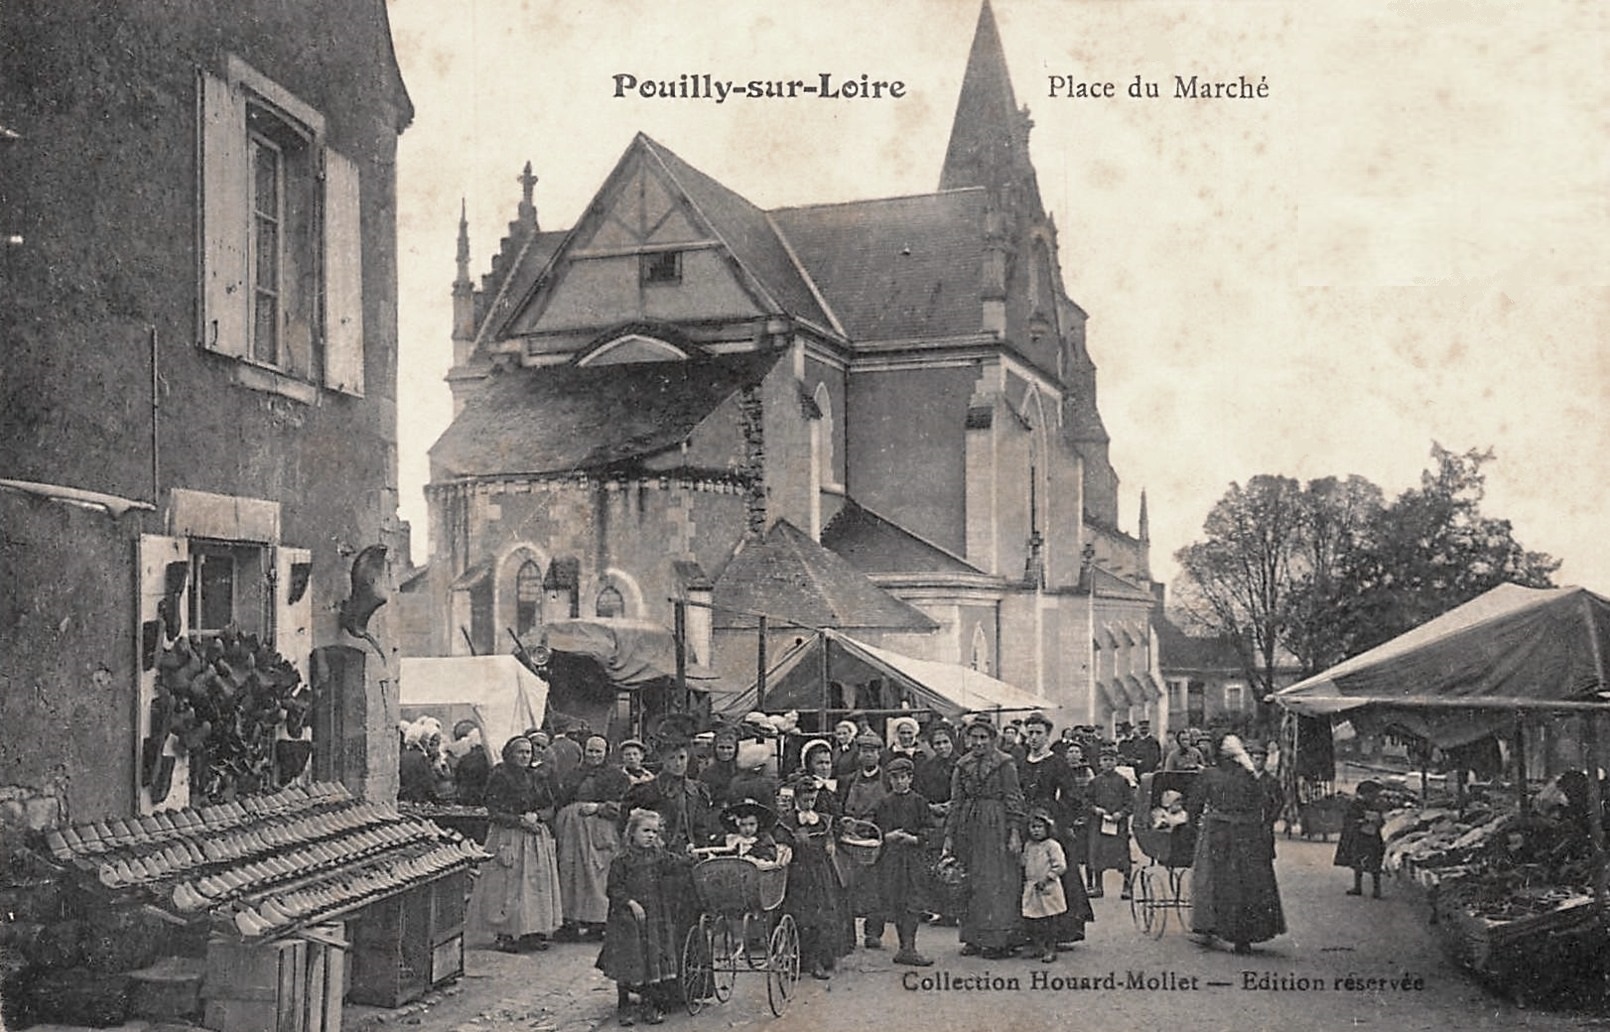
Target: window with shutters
<point>281,267</point>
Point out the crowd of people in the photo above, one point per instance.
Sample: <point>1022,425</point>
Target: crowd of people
<point>1003,831</point>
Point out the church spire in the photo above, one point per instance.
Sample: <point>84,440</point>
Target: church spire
<point>463,292</point>
<point>528,207</point>
<point>1145,524</point>
<point>989,139</point>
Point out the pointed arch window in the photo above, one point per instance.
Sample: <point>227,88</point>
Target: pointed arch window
<point>979,660</point>
<point>824,455</point>
<point>528,597</point>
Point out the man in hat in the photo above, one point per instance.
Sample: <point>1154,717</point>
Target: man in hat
<point>1111,799</point>
<point>859,796</point>
<point>1145,751</point>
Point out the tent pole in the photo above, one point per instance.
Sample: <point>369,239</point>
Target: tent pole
<point>1525,804</point>
<point>827,702</point>
<point>1590,750</point>
<point>679,611</point>
<point>760,665</point>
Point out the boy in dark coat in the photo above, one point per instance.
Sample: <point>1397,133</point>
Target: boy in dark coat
<point>905,820</point>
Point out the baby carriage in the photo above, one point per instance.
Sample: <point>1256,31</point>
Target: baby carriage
<point>1163,884</point>
<point>739,903</point>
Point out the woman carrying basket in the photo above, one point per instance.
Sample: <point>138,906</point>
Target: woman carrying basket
<point>984,830</point>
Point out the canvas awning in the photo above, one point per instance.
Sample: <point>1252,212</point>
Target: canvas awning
<point>1462,675</point>
<point>947,688</point>
<point>497,692</point>
<point>632,652</point>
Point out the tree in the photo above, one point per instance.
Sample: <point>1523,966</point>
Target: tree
<point>1433,549</point>
<point>1237,583</point>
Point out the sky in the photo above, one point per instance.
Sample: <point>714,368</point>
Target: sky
<point>1404,241</point>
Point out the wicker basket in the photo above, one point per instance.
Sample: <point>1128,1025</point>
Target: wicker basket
<point>734,885</point>
<point>860,840</point>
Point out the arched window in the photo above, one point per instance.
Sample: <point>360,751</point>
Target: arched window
<point>824,455</point>
<point>527,597</point>
<point>610,603</point>
<point>980,655</point>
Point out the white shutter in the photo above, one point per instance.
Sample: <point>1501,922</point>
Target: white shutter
<point>343,276</point>
<point>225,217</point>
<point>155,555</point>
<point>293,620</point>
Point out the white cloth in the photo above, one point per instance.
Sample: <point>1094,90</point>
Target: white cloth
<point>1044,861</point>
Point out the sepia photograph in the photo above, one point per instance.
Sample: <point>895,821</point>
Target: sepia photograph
<point>1002,514</point>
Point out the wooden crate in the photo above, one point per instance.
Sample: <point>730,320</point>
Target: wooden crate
<point>284,986</point>
<point>404,945</point>
<point>255,987</point>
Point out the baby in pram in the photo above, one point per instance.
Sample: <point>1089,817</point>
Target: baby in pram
<point>1171,813</point>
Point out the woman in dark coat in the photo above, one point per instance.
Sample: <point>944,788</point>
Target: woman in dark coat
<point>934,772</point>
<point>1234,895</point>
<point>984,829</point>
<point>587,833</point>
<point>1048,784</point>
<point>814,897</point>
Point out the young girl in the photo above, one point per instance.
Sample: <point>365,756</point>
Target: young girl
<point>640,937</point>
<point>1360,846</point>
<point>814,896</point>
<point>1044,864</point>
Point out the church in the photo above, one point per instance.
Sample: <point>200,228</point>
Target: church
<point>876,419</point>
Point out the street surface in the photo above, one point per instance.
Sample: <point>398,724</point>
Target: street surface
<point>1317,976</point>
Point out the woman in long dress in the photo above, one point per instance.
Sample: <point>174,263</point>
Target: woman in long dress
<point>814,897</point>
<point>1234,895</point>
<point>517,894</point>
<point>1049,785</point>
<point>587,831</point>
<point>984,829</point>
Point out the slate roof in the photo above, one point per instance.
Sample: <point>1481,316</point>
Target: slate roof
<point>1177,650</point>
<point>552,419</point>
<point>873,544</point>
<point>787,575</point>
<point>1110,585</point>
<point>748,232</point>
<point>895,267</point>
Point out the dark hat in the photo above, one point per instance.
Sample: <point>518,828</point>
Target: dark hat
<point>1253,745</point>
<point>631,743</point>
<point>1366,787</point>
<point>1144,723</point>
<point>867,739</point>
<point>941,727</point>
<point>1040,813</point>
<point>721,731</point>
<point>979,720</point>
<point>804,782</point>
<point>749,808</point>
<point>1107,749</point>
<point>900,763</point>
<point>1038,718</point>
<point>674,731</point>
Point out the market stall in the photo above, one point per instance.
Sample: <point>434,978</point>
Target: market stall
<point>1518,894</point>
<point>264,912</point>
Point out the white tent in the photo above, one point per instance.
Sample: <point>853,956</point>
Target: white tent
<point>497,692</point>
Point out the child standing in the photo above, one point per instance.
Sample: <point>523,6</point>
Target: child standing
<point>1044,864</point>
<point>814,896</point>
<point>640,936</point>
<point>1360,846</point>
<point>904,817</point>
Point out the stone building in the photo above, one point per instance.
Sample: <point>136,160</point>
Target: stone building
<point>901,383</point>
<point>199,402</point>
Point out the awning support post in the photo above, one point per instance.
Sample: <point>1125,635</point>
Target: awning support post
<point>1590,760</point>
<point>760,666</point>
<point>822,663</point>
<point>1519,740</point>
<point>680,639</point>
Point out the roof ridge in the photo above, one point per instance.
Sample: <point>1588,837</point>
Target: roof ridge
<point>878,200</point>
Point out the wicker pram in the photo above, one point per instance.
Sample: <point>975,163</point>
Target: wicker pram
<point>734,885</point>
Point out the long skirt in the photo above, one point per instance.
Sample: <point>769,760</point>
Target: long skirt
<point>586,846</point>
<point>993,916</point>
<point>517,892</point>
<point>1070,925</point>
<point>1233,891</point>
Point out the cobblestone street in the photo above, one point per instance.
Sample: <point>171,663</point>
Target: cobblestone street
<point>1297,981</point>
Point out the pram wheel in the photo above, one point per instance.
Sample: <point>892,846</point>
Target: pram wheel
<point>782,967</point>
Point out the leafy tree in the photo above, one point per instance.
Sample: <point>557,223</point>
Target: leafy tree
<point>1342,521</point>
<point>1433,550</point>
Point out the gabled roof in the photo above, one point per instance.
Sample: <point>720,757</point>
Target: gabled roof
<point>1110,585</point>
<point>897,267</point>
<point>787,575</point>
<point>553,419</point>
<point>748,232</point>
<point>1177,650</point>
<point>873,544</point>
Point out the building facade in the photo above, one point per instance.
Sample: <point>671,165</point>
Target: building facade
<point>199,401</point>
<point>903,382</point>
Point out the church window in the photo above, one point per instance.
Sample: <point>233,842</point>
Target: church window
<point>610,603</point>
<point>662,267</point>
<point>980,658</point>
<point>528,597</point>
<point>824,457</point>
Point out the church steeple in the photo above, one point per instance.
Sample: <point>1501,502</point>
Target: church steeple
<point>463,292</point>
<point>1145,524</point>
<point>989,139</point>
